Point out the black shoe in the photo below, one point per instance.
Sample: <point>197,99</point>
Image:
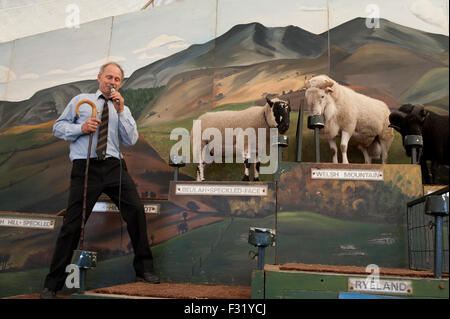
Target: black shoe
<point>148,277</point>
<point>48,294</point>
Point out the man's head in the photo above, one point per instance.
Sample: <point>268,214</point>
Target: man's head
<point>110,74</point>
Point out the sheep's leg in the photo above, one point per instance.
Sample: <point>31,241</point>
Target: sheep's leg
<point>344,142</point>
<point>246,177</point>
<point>201,166</point>
<point>434,171</point>
<point>426,177</point>
<point>333,147</point>
<point>198,173</point>
<point>367,158</point>
<point>384,152</point>
<point>246,155</point>
<point>201,171</point>
<point>197,148</point>
<point>256,168</point>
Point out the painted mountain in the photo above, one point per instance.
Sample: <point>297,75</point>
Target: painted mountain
<point>394,63</point>
<point>44,105</point>
<point>243,44</point>
<point>235,70</point>
<point>356,54</point>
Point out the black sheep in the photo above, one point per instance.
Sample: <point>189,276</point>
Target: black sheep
<point>415,120</point>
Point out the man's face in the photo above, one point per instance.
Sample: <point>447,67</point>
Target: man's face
<point>111,76</point>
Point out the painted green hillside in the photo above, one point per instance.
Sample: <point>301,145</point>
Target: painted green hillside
<point>431,88</point>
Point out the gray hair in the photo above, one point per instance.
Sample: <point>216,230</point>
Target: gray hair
<point>102,68</point>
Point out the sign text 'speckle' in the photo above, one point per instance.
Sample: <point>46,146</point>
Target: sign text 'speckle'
<point>27,223</point>
<point>220,190</point>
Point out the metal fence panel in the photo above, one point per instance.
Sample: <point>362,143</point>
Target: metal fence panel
<point>421,235</point>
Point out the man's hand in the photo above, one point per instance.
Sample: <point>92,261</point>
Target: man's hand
<point>117,96</point>
<point>90,126</point>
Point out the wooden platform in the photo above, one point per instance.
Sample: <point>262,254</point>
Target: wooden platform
<point>139,290</point>
<point>33,296</point>
<point>316,281</point>
<point>171,290</point>
<point>353,270</point>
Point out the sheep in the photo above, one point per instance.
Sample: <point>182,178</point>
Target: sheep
<point>362,120</point>
<point>274,114</point>
<point>415,120</point>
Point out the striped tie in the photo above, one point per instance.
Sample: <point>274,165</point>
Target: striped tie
<point>103,133</point>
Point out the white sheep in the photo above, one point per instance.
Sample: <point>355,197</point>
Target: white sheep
<point>274,114</point>
<point>354,116</point>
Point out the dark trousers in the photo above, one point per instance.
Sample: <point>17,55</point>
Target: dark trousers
<point>103,177</point>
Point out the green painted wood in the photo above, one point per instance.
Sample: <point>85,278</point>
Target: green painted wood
<point>348,216</point>
<point>279,284</point>
<point>258,284</point>
<point>283,284</point>
<point>435,288</point>
<point>308,294</point>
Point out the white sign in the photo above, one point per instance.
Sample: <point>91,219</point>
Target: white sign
<point>220,190</point>
<point>347,174</point>
<point>151,209</point>
<point>103,207</point>
<point>380,286</point>
<point>27,223</point>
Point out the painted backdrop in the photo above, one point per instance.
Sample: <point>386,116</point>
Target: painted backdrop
<point>190,57</point>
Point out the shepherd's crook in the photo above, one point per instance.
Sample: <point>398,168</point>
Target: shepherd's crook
<point>94,113</point>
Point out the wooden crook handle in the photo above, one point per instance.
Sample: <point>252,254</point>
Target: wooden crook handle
<point>92,104</point>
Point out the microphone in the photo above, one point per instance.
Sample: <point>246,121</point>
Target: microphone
<point>112,89</point>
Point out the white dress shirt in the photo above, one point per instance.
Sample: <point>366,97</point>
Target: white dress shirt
<point>68,127</point>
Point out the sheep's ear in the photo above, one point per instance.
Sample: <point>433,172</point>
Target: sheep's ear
<point>395,119</point>
<point>422,113</point>
<point>406,108</point>
<point>307,84</point>
<point>328,90</point>
<point>269,101</point>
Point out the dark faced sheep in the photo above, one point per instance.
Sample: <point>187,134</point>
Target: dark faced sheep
<point>258,119</point>
<point>415,120</point>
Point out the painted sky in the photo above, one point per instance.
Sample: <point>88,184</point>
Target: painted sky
<point>21,18</point>
<point>138,39</point>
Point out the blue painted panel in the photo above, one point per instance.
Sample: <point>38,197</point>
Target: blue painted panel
<point>353,295</point>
